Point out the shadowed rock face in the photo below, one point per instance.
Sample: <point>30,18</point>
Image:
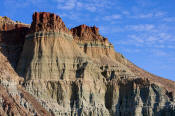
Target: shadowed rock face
<point>78,72</point>
<point>12,37</point>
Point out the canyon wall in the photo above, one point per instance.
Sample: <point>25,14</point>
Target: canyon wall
<point>77,72</point>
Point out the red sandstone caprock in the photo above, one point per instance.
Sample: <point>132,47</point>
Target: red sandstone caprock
<point>44,21</point>
<point>84,32</point>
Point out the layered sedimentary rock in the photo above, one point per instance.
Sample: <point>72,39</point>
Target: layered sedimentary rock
<point>12,36</point>
<point>96,46</point>
<point>91,42</point>
<point>14,100</point>
<point>77,72</point>
<point>47,54</point>
<point>99,49</point>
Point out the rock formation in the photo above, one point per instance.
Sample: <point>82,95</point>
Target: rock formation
<point>94,45</point>
<point>14,100</point>
<point>77,72</point>
<point>47,22</point>
<point>12,36</point>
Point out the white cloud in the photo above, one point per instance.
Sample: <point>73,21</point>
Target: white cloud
<point>159,52</point>
<point>164,37</point>
<point>19,3</point>
<point>169,19</point>
<point>151,39</point>
<point>112,17</point>
<point>91,8</point>
<point>89,5</point>
<point>148,15</point>
<point>66,5</point>
<point>125,12</point>
<point>110,29</point>
<point>141,27</point>
<point>132,50</point>
<point>160,14</point>
<point>60,1</point>
<point>136,38</point>
<point>159,46</point>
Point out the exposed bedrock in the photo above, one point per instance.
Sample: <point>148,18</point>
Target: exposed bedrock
<point>78,72</point>
<point>45,21</point>
<point>14,100</point>
<point>12,37</point>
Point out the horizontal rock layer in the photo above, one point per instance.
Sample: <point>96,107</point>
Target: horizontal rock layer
<point>14,100</point>
<point>78,72</point>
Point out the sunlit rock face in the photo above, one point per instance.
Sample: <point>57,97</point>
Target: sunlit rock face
<point>14,100</point>
<point>137,100</point>
<point>49,55</point>
<point>45,21</point>
<point>77,72</point>
<point>91,42</point>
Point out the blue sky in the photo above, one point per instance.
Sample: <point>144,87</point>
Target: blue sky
<point>142,30</point>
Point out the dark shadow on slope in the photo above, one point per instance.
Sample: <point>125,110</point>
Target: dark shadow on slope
<point>11,43</point>
<point>80,70</point>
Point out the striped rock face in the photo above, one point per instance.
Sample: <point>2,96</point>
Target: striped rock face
<point>94,45</point>
<point>48,49</point>
<point>44,21</point>
<point>77,72</point>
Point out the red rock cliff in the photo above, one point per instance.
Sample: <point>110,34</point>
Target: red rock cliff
<point>84,32</point>
<point>43,21</point>
<point>6,24</point>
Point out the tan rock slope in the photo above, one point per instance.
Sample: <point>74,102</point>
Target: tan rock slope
<point>14,100</point>
<point>93,44</point>
<point>98,47</point>
<point>78,72</point>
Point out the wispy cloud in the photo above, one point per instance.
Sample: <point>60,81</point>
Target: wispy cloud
<point>89,5</point>
<point>169,19</point>
<point>148,15</point>
<point>66,5</point>
<point>148,35</point>
<point>113,29</point>
<point>132,50</point>
<point>125,12</point>
<point>158,52</point>
<point>159,14</point>
<point>112,17</point>
<point>141,27</point>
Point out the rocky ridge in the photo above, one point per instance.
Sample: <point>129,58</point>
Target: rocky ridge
<point>77,72</point>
